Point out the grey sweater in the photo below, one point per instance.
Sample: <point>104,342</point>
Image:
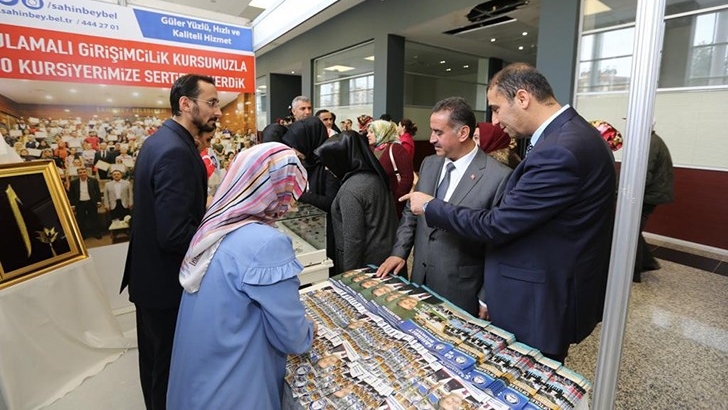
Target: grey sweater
<point>364,220</point>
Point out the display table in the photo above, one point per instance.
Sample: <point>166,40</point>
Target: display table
<point>387,343</point>
<point>57,330</point>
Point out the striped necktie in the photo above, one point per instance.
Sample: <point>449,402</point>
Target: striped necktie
<point>445,183</point>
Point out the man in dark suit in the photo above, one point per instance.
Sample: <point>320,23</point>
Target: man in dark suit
<point>170,189</point>
<point>85,197</point>
<point>450,264</point>
<point>550,235</point>
<point>106,155</point>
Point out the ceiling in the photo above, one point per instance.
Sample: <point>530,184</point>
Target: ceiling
<point>514,41</point>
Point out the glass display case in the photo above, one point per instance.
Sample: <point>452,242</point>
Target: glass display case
<point>306,226</point>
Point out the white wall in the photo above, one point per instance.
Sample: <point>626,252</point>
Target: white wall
<point>692,123</point>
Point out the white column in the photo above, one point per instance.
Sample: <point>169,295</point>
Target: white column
<point>640,111</point>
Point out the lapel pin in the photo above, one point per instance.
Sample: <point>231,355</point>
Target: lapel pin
<point>472,176</point>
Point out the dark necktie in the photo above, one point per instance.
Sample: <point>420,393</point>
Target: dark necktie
<point>445,183</point>
<point>529,148</point>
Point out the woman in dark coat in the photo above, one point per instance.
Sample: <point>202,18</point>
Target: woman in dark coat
<point>363,212</point>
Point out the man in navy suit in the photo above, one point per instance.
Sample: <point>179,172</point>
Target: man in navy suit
<point>550,236</point>
<point>170,190</point>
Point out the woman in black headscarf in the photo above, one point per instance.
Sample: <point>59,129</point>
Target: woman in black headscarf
<point>363,212</point>
<point>274,133</point>
<point>304,137</point>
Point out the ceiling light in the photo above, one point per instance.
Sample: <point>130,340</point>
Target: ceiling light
<point>525,33</point>
<point>442,61</point>
<point>73,90</point>
<point>371,58</point>
<point>49,97</point>
<point>492,40</point>
<point>160,102</point>
<point>594,7</point>
<point>109,100</point>
<point>262,87</point>
<point>520,47</point>
<point>135,94</point>
<point>339,68</point>
<point>448,69</point>
<point>293,72</point>
<point>66,110</point>
<point>466,66</point>
<point>260,4</point>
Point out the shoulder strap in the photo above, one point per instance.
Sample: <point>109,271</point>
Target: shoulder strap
<point>394,164</point>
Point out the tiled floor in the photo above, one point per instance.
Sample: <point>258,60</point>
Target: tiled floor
<point>675,353</point>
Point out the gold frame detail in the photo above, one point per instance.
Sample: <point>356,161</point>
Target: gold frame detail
<point>38,228</point>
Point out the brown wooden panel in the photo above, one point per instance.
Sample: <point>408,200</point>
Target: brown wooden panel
<point>700,211</point>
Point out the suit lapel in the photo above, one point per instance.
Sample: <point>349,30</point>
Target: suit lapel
<point>557,123</point>
<point>550,130</point>
<point>429,187</point>
<point>470,178</point>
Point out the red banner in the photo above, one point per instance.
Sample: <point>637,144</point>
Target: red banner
<point>35,54</point>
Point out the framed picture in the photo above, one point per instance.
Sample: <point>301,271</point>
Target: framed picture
<point>38,230</point>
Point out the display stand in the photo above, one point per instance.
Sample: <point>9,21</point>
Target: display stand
<point>57,330</point>
<point>359,359</point>
<point>306,227</point>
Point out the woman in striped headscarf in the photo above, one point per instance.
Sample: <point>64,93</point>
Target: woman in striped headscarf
<point>240,313</point>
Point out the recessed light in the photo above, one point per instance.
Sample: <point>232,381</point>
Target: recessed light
<point>135,94</point>
<point>293,72</point>
<point>49,97</point>
<point>73,90</point>
<point>261,4</point>
<point>160,102</point>
<point>442,61</point>
<point>66,110</point>
<point>466,66</point>
<point>520,47</point>
<point>371,58</point>
<point>109,100</point>
<point>448,69</point>
<point>525,33</point>
<point>492,40</point>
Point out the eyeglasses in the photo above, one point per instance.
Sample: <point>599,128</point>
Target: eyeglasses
<point>213,103</point>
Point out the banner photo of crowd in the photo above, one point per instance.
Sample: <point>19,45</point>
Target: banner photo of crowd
<point>84,85</point>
